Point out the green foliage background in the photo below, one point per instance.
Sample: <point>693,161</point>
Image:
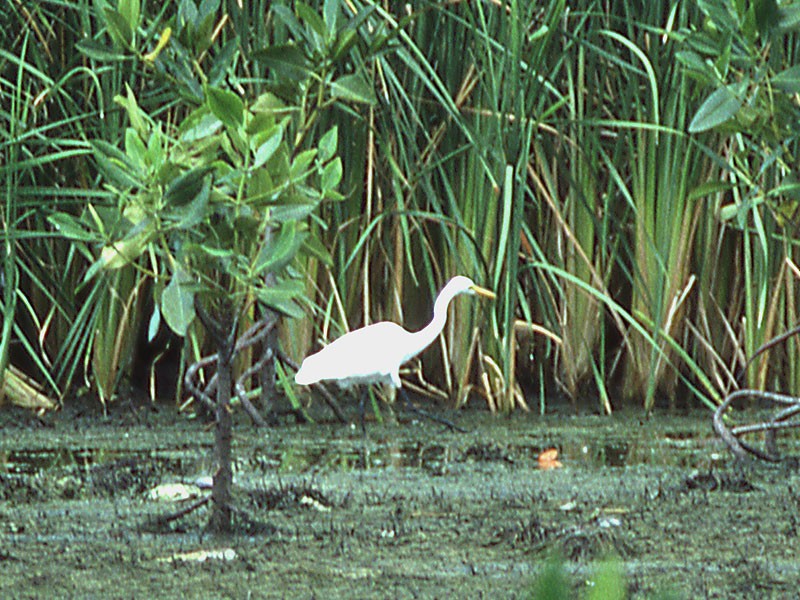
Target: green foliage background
<point>621,173</point>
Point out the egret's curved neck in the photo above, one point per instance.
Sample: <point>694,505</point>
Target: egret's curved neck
<point>425,336</point>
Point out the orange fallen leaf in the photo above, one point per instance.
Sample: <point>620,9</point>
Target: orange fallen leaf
<point>549,459</point>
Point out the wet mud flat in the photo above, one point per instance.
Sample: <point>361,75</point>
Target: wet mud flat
<point>413,511</point>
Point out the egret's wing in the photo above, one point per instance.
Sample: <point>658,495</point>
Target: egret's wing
<point>369,353</point>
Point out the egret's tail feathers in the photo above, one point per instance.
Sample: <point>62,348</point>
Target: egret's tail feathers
<point>304,376</point>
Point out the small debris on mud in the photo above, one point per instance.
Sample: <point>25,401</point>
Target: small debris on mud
<point>200,556</point>
<point>290,496</point>
<point>711,482</point>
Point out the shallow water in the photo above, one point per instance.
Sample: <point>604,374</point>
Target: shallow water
<point>413,510</point>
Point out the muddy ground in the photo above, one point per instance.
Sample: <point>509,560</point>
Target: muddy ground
<point>413,511</point>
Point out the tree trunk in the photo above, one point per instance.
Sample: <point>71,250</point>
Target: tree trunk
<point>221,521</point>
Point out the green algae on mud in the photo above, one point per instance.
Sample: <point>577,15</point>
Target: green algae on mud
<point>412,511</point>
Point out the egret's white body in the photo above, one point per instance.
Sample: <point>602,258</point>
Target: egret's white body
<point>375,353</point>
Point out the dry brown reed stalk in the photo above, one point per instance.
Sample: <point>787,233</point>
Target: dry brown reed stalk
<point>22,391</point>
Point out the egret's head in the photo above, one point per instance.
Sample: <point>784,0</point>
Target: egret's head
<point>465,285</point>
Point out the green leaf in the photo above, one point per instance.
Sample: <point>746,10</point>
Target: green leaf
<point>331,12</point>
<point>740,210</point>
<point>293,212</point>
<point>118,28</point>
<point>260,189</point>
<point>261,125</point>
<point>71,227</point>
<point>708,188</point>
<point>235,145</point>
<point>200,124</point>
<point>188,16</point>
<point>333,195</point>
<point>156,149</point>
<point>154,324</point>
<point>789,187</point>
<point>186,187</point>
<point>301,163</point>
<point>721,14</point>
<point>692,60</point>
<point>206,20</point>
<point>311,18</point>
<point>130,11</point>
<point>118,254</point>
<point>138,118</point>
<point>135,149</point>
<point>218,253</point>
<point>789,17</point>
<point>265,151</point>
<point>331,175</point>
<point>227,106</point>
<point>312,245</point>
<point>729,211</point>
<point>114,165</point>
<point>286,16</point>
<point>329,143</point>
<point>287,60</point>
<point>788,80</point>
<point>353,88</point>
<point>194,213</point>
<point>766,14</point>
<point>282,296</point>
<point>346,40</point>
<point>223,62</point>
<point>272,105</point>
<point>280,250</point>
<point>177,303</point>
<point>98,51</point>
<point>720,106</point>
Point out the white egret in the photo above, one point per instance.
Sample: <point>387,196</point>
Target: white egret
<point>375,353</point>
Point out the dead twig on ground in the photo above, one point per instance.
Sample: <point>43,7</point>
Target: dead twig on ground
<point>786,418</point>
<point>783,419</point>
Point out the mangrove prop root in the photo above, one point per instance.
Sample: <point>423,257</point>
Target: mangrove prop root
<point>256,333</point>
<point>163,520</point>
<point>782,419</point>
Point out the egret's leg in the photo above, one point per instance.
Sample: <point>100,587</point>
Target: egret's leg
<point>362,398</point>
<point>411,408</point>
